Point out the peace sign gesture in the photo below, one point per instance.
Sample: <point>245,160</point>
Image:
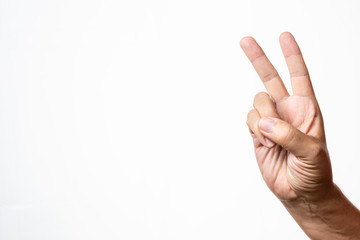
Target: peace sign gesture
<point>288,130</point>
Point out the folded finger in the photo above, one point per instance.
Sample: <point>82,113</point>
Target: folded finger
<point>265,106</point>
<point>253,119</point>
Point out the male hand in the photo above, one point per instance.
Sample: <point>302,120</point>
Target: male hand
<point>287,130</point>
<point>290,147</point>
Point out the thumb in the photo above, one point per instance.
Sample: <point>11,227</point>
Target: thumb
<point>287,136</point>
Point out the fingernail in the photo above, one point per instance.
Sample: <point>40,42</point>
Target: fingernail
<point>269,142</point>
<point>266,124</point>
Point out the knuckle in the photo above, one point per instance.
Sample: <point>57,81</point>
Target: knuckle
<point>303,73</point>
<point>317,150</point>
<point>259,98</point>
<point>261,95</point>
<point>287,136</point>
<point>270,76</point>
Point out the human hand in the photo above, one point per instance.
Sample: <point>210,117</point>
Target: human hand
<point>290,147</point>
<point>287,130</point>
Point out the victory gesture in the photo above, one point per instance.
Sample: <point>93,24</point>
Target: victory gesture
<point>288,130</point>
<point>290,147</point>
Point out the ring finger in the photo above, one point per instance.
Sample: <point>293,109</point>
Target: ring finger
<point>253,124</point>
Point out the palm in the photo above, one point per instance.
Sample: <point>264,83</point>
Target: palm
<point>273,162</point>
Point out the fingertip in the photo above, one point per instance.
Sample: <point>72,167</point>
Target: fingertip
<point>246,42</point>
<point>286,34</point>
<point>266,124</point>
<point>269,143</point>
<point>286,39</point>
<point>288,44</point>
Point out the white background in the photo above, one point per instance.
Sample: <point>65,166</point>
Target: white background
<point>126,119</point>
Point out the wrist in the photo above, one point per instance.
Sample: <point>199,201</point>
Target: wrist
<point>330,217</point>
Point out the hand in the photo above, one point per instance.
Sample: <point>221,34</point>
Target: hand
<point>290,147</point>
<point>287,130</point>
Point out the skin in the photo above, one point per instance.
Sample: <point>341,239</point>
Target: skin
<point>290,146</point>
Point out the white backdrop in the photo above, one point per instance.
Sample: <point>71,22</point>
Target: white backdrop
<point>126,119</point>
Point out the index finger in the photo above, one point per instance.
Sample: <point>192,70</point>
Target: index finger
<point>266,71</point>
